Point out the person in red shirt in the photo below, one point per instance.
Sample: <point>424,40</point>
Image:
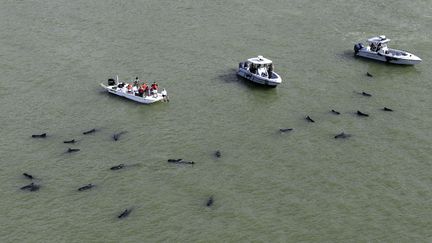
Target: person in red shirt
<point>154,86</point>
<point>153,89</point>
<point>140,91</point>
<point>145,88</point>
<point>129,88</point>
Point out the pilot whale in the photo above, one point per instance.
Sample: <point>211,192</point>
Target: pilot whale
<point>366,94</point>
<point>342,135</point>
<point>118,167</point>
<point>31,187</point>
<point>362,114</point>
<point>285,129</point>
<point>116,136</point>
<point>71,150</point>
<point>335,112</point>
<point>89,131</point>
<point>86,187</point>
<point>218,153</point>
<point>28,176</point>
<point>210,201</point>
<point>309,119</point>
<point>125,213</point>
<point>43,135</point>
<point>180,161</point>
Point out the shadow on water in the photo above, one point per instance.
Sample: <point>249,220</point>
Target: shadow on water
<point>118,100</point>
<point>232,77</point>
<point>347,54</point>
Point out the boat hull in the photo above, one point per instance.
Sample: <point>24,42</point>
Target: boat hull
<point>272,82</point>
<point>409,59</point>
<point>143,100</point>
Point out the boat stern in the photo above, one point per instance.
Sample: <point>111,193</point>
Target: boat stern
<point>358,47</point>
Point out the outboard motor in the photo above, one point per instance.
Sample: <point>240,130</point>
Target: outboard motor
<point>357,47</point>
<point>111,82</point>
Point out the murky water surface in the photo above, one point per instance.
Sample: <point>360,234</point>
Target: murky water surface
<point>299,186</point>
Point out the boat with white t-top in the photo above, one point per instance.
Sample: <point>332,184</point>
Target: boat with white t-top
<point>135,91</point>
<point>259,70</point>
<point>377,49</point>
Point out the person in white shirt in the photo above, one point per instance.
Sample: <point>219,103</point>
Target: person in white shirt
<point>165,95</point>
<point>135,90</point>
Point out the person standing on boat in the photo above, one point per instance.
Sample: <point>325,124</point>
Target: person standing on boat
<point>145,88</point>
<point>129,88</point>
<point>154,86</point>
<point>135,90</point>
<point>154,89</point>
<point>378,47</point>
<point>140,91</point>
<point>270,70</point>
<point>164,95</point>
<point>136,82</point>
<point>253,69</point>
<point>372,47</point>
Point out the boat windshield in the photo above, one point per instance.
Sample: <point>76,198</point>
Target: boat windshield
<point>376,46</point>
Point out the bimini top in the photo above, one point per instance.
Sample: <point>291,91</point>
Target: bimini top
<point>379,39</point>
<point>259,60</point>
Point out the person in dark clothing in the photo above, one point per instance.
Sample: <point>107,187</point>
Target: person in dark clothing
<point>270,70</point>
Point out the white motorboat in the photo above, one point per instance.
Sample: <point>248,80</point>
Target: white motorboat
<point>126,90</point>
<point>259,70</point>
<point>377,49</point>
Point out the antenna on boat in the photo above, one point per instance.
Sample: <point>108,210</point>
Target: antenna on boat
<point>117,79</point>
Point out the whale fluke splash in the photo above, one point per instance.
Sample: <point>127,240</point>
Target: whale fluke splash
<point>43,135</point>
<point>89,131</point>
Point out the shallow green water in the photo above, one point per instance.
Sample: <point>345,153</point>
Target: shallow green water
<point>302,186</point>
